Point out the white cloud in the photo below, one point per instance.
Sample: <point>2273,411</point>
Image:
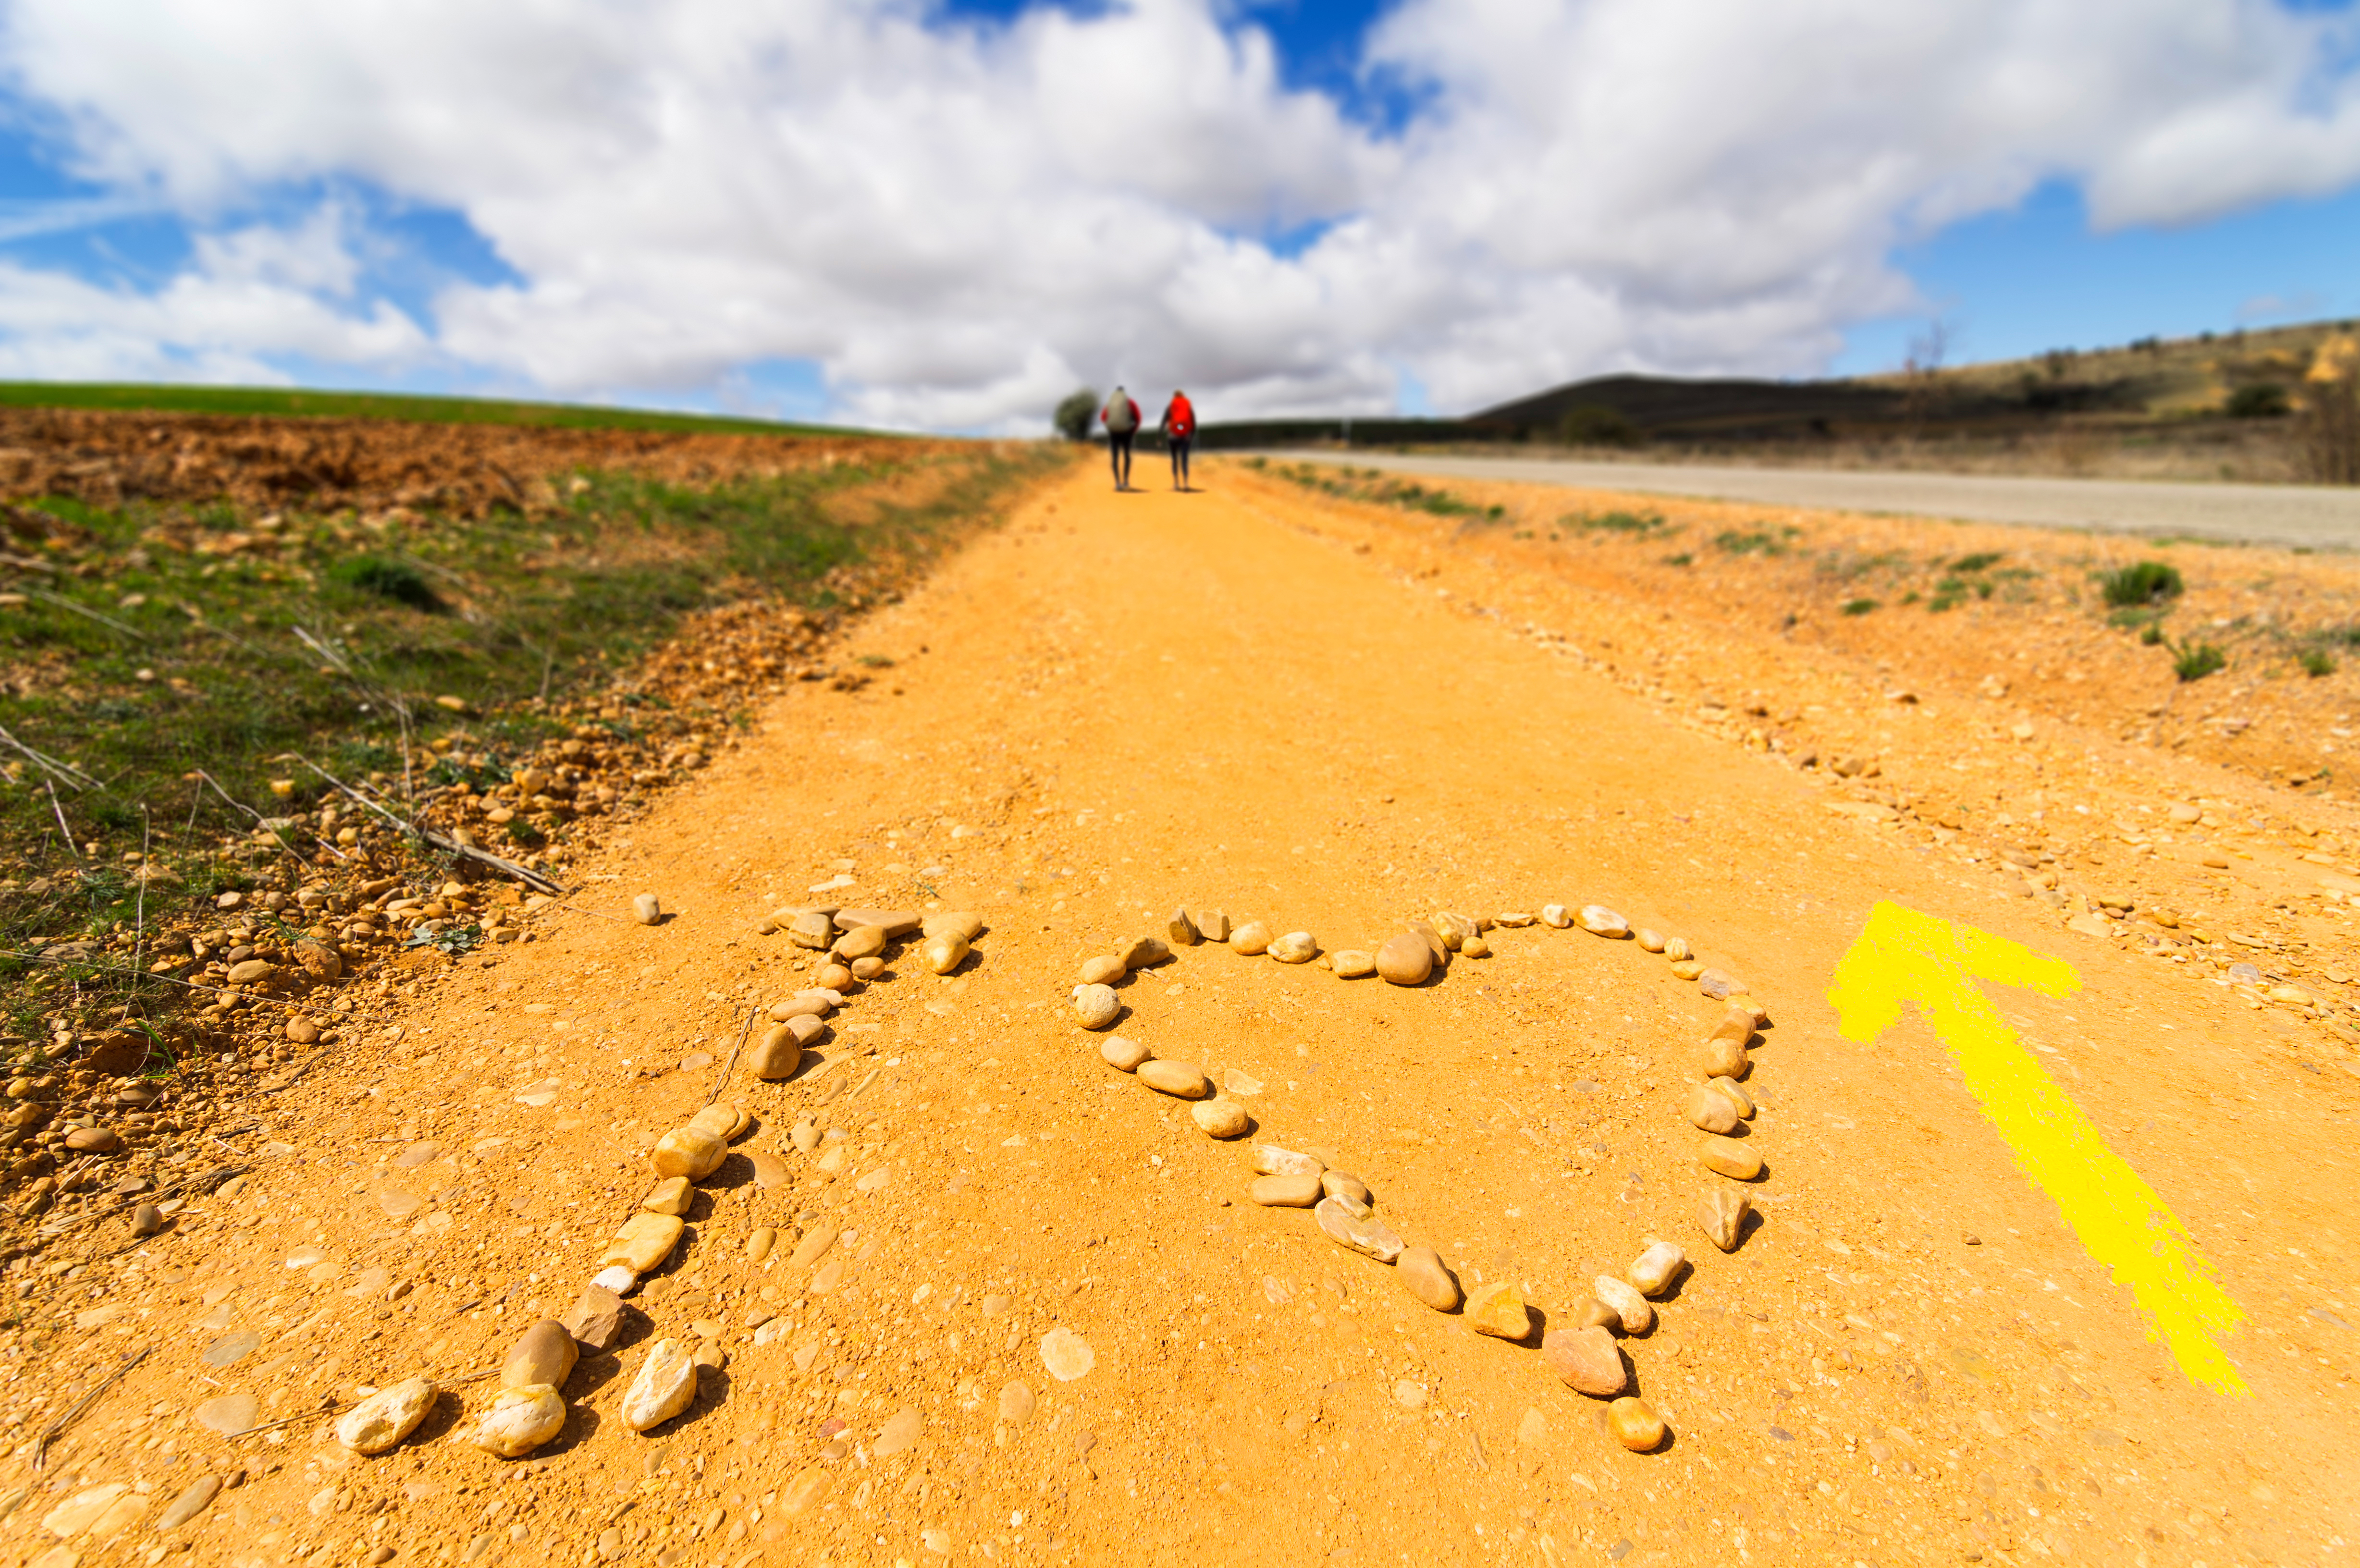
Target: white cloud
<point>250,296</point>
<point>958,222</point>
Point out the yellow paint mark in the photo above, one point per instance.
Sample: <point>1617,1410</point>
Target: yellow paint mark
<point>1904,956</point>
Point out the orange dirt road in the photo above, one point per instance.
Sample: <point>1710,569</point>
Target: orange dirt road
<point>1236,701</point>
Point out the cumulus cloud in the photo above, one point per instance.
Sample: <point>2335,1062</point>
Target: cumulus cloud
<point>251,298</point>
<point>957,222</point>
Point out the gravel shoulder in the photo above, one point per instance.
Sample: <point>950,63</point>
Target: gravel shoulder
<point>1330,717</point>
<point>2312,517</point>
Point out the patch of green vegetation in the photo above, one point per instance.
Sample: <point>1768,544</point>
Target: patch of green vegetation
<point>1845,566</point>
<point>2261,401</point>
<point>1374,485</point>
<point>1756,542</point>
<point>2317,661</point>
<point>286,402</point>
<point>2146,582</point>
<point>1859,607</point>
<point>2151,634</point>
<point>455,940</point>
<point>393,580</point>
<point>161,642</point>
<point>1683,559</point>
<point>1644,524</point>
<point>1983,560</point>
<point>2195,662</point>
<point>1594,424</point>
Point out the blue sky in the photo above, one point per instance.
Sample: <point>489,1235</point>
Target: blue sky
<point>1319,45</point>
<point>2013,284</point>
<point>1437,204</point>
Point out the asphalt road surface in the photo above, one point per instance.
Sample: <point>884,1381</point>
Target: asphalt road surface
<point>2315,517</point>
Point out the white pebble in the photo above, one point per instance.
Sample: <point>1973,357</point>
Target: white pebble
<point>1599,920</point>
<point>1295,947</point>
<point>385,1418</point>
<point>665,1385</point>
<point>1067,1355</point>
<point>1269,1159</point>
<point>1629,1307</point>
<point>1656,1269</point>
<point>519,1420</point>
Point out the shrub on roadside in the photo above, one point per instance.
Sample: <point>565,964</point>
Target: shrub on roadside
<point>2146,583</point>
<point>1594,424</point>
<point>2194,662</point>
<point>1755,542</point>
<point>1613,522</point>
<point>395,579</point>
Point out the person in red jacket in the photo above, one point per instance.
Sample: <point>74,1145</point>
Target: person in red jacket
<point>1179,430</point>
<point>1121,417</point>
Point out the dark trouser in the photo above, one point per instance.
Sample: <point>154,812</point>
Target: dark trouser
<point>1118,454</point>
<point>1179,445</point>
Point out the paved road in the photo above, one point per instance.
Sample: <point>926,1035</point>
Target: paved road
<point>2317,518</point>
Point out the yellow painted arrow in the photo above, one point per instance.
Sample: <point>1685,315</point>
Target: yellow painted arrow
<point>1904,956</point>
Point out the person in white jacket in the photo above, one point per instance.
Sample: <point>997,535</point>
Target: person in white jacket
<point>1121,417</point>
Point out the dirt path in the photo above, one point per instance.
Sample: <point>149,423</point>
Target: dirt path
<point>1241,700</point>
<point>2313,516</point>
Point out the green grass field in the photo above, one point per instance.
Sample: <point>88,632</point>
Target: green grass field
<point>304,403</point>
<point>141,644</point>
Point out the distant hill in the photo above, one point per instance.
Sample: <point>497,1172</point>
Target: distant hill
<point>1664,406</point>
<point>2164,384</point>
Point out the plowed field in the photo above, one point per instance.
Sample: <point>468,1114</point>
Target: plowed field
<point>108,459</point>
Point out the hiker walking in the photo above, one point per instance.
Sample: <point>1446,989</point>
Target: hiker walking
<point>1179,432</point>
<point>1121,417</point>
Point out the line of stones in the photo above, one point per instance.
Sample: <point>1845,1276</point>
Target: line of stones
<point>1585,1356</point>
<point>528,1407</point>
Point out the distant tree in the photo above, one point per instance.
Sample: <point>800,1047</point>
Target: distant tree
<point>2259,401</point>
<point>1075,414</point>
<point>1928,349</point>
<point>1595,424</point>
